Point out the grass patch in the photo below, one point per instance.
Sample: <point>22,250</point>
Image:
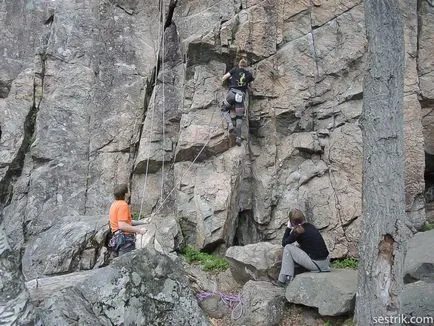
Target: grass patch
<point>207,262</point>
<point>427,226</point>
<point>352,263</point>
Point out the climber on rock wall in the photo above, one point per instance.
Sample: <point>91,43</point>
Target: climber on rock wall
<point>239,80</point>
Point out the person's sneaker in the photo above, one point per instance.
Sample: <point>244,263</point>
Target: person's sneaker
<point>231,129</point>
<point>238,141</point>
<point>278,283</point>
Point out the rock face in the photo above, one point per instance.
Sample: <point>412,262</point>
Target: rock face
<point>74,243</point>
<point>99,92</point>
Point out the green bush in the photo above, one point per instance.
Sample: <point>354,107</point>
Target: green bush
<point>352,263</point>
<point>208,262</point>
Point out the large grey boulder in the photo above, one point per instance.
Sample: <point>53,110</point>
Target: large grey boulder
<point>259,261</point>
<point>417,301</point>
<point>332,293</point>
<point>419,261</point>
<point>143,287</point>
<point>262,304</point>
<point>73,243</point>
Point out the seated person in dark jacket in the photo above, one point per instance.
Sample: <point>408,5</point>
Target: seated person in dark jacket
<point>312,253</point>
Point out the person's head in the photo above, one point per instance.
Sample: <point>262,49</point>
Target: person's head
<point>242,63</point>
<point>120,191</point>
<point>296,217</point>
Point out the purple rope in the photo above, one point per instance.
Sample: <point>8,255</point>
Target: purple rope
<point>230,300</point>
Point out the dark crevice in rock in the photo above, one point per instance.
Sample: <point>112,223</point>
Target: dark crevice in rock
<point>246,231</point>
<point>429,183</point>
<point>49,20</point>
<point>127,11</point>
<point>140,168</point>
<point>169,16</point>
<point>5,87</point>
<point>353,97</point>
<point>16,166</point>
<point>211,247</point>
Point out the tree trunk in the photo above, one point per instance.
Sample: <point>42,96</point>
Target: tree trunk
<point>382,247</point>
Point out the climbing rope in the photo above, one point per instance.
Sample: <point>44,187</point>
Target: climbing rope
<point>164,100</point>
<point>233,301</point>
<point>189,167</point>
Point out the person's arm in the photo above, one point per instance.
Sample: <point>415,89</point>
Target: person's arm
<point>124,221</point>
<point>124,226</point>
<point>226,76</point>
<point>289,237</point>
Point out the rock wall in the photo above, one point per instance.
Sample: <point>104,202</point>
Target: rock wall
<point>98,92</point>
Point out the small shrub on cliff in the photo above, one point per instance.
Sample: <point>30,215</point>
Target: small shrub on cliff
<point>208,262</point>
<point>352,263</point>
<point>427,226</point>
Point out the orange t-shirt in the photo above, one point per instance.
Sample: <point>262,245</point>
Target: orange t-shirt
<point>119,211</point>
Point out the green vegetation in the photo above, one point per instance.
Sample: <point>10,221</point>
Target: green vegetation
<point>427,226</point>
<point>328,323</point>
<point>352,263</point>
<point>137,216</point>
<point>208,262</point>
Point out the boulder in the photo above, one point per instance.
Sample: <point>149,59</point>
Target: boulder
<point>262,305</point>
<point>143,287</point>
<point>419,261</point>
<point>258,261</point>
<point>332,293</point>
<point>417,301</point>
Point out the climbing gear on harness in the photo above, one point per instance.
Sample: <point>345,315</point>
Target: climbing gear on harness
<point>121,240</point>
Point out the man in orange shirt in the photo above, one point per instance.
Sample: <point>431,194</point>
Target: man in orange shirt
<point>123,239</point>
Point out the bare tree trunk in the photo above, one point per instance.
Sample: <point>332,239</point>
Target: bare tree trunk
<point>382,247</point>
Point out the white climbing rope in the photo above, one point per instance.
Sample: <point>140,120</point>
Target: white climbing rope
<point>164,102</point>
<point>189,167</point>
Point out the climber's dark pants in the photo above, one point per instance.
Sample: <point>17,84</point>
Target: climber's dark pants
<point>234,97</point>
